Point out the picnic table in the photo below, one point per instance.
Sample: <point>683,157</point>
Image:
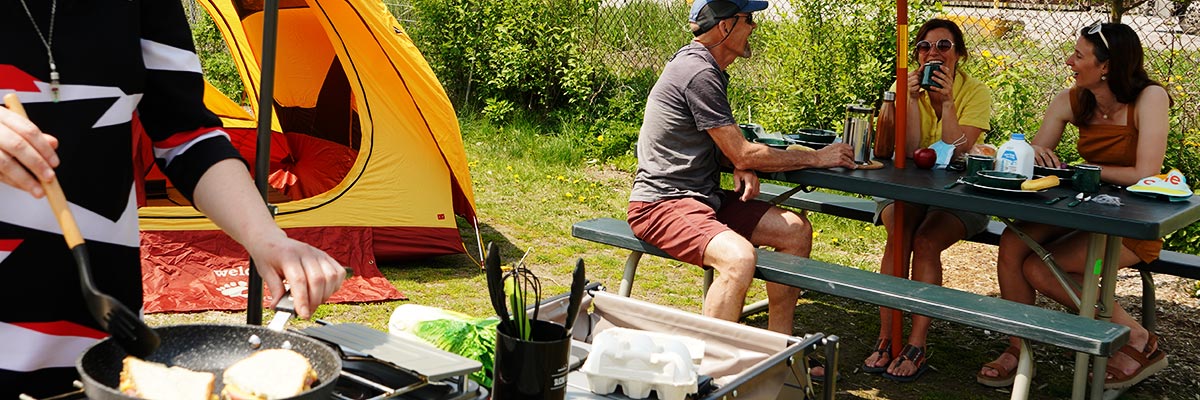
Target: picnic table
<point>1139,218</point>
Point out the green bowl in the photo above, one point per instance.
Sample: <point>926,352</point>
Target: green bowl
<point>776,143</point>
<point>1061,173</point>
<point>814,135</point>
<point>1000,179</point>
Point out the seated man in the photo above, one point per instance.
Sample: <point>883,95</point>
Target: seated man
<point>688,130</point>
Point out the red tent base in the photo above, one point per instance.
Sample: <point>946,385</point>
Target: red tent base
<point>206,270</point>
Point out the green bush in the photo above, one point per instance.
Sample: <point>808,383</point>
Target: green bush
<point>215,60</point>
<point>810,63</point>
<point>516,53</point>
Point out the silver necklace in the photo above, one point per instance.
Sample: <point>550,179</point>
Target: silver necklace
<point>48,42</point>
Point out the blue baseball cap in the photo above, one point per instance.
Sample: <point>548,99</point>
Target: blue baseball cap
<point>706,13</point>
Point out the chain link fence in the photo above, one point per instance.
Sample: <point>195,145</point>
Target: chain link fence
<point>1033,36</point>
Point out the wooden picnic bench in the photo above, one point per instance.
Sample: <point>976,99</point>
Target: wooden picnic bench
<point>1059,329</point>
<point>862,209</point>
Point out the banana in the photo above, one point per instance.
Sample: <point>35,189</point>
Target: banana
<point>800,147</point>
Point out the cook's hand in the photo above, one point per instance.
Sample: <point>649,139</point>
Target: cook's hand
<point>746,183</point>
<point>914,84</point>
<point>311,274</point>
<point>1045,157</point>
<point>24,148</point>
<point>835,155</point>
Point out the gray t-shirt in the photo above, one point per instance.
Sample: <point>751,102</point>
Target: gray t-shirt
<point>676,156</point>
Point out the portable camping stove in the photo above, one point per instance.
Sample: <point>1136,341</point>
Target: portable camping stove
<point>377,365</point>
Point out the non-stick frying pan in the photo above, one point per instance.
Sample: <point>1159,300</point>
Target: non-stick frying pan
<point>209,348</point>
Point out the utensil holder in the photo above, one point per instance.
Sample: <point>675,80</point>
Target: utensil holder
<point>531,369</point>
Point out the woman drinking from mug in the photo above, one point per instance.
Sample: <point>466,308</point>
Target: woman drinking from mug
<point>948,116</point>
<point>1122,119</point>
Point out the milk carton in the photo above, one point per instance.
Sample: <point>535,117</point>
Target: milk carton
<point>1016,156</point>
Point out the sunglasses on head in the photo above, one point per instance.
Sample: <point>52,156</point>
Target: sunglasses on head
<point>943,45</point>
<point>1098,28</point>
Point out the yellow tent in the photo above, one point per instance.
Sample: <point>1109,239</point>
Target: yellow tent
<point>367,158</point>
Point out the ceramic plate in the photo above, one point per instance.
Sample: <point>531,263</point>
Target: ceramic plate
<point>990,189</point>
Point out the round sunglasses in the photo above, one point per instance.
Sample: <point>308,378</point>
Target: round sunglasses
<point>943,45</point>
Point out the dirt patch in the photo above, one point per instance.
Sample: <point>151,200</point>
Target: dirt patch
<point>957,351</point>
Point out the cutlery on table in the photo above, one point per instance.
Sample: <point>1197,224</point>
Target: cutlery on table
<point>1056,199</point>
<point>1080,198</point>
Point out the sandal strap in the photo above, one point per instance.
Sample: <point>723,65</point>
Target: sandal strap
<point>1136,355</point>
<point>1014,350</point>
<point>914,354</point>
<point>883,346</point>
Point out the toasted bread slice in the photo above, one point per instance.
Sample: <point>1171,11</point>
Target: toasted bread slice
<point>151,380</point>
<point>268,374</point>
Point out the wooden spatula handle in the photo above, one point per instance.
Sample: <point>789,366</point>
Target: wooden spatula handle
<point>54,192</point>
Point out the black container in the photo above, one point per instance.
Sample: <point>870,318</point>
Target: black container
<point>927,75</point>
<point>531,369</point>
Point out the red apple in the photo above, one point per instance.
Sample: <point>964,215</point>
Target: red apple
<point>924,158</point>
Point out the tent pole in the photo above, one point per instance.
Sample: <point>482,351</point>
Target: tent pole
<point>900,155</point>
<point>262,151</point>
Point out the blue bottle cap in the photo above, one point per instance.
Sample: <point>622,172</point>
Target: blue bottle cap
<point>1018,136</point>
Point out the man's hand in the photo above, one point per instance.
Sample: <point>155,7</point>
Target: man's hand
<point>24,148</point>
<point>834,155</point>
<point>311,274</point>
<point>746,183</point>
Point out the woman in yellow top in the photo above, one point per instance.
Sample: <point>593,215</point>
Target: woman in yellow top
<point>1122,118</point>
<point>949,117</point>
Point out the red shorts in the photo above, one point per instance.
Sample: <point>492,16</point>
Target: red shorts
<point>683,227</point>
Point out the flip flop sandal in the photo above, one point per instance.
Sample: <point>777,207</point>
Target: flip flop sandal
<point>1149,363</point>
<point>1006,376</point>
<point>883,347</point>
<point>913,354</point>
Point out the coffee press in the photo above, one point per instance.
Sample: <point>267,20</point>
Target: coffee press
<point>858,131</point>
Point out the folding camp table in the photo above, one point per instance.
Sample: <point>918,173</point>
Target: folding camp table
<point>743,361</point>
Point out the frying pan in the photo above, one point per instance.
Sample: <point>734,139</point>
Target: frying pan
<point>208,348</point>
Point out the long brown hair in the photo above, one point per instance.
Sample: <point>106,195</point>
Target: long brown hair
<point>1126,71</point>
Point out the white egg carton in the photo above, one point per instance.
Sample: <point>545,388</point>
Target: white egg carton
<point>641,361</point>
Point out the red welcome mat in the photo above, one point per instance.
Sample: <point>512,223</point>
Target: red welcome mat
<point>206,270</point>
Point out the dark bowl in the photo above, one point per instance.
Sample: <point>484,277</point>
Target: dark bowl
<point>1000,179</point>
<point>814,135</point>
<point>776,143</point>
<point>1061,173</point>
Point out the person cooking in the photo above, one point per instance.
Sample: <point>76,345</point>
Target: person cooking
<point>83,72</point>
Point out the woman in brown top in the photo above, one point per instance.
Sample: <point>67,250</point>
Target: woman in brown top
<point>1122,118</point>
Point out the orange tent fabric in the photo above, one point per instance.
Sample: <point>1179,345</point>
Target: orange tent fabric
<point>366,147</point>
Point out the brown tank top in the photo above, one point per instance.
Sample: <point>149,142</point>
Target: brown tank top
<point>1115,145</point>
<point>1108,144</point>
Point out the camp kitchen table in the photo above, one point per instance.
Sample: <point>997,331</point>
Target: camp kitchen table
<point>1139,218</point>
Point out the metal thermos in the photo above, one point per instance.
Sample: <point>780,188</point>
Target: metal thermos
<point>857,131</point>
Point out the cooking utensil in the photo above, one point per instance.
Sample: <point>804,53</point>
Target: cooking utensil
<point>1056,199</point>
<point>1081,198</point>
<point>125,327</point>
<point>495,284</point>
<point>578,281</point>
<point>208,348</point>
<point>283,312</point>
